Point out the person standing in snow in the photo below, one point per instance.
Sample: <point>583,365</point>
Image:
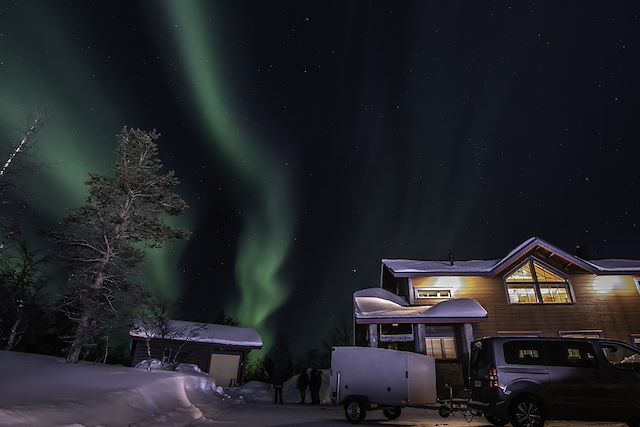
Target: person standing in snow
<point>302,384</point>
<point>277,381</point>
<point>315,381</point>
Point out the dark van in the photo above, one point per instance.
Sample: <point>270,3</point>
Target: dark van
<point>526,381</point>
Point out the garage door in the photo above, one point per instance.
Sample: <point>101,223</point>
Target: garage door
<point>224,368</point>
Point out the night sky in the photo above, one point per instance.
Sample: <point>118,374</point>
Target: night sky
<point>313,139</point>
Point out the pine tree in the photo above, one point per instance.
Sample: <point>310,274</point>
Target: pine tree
<point>103,241</point>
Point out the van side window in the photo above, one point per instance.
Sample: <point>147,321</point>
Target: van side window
<point>523,353</point>
<point>579,354</point>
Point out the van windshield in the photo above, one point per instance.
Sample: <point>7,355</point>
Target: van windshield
<point>480,359</point>
<point>620,356</point>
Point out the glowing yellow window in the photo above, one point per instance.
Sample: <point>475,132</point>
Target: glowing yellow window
<point>534,283</point>
<point>441,348</point>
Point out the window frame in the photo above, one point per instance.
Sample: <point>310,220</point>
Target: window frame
<point>582,334</point>
<point>577,344</point>
<point>523,345</point>
<point>536,284</point>
<point>441,339</point>
<point>417,290</point>
<point>519,334</point>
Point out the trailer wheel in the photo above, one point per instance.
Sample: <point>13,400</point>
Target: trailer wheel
<point>392,413</point>
<point>354,411</point>
<point>444,411</point>
<point>496,421</point>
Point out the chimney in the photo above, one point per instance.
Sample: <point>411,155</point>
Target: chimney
<point>582,251</point>
<point>450,258</point>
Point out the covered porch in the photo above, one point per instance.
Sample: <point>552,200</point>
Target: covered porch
<point>443,330</point>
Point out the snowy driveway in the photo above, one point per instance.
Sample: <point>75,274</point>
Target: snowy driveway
<point>264,415</point>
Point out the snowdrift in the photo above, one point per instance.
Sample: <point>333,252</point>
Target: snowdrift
<point>38,390</point>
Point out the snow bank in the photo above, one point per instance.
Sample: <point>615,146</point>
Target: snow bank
<point>40,390</point>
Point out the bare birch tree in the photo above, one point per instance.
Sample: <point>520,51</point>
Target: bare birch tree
<point>27,138</point>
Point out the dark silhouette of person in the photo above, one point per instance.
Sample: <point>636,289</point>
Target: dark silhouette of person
<point>302,384</point>
<point>278,381</point>
<point>315,381</point>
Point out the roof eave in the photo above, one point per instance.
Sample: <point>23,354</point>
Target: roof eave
<point>426,320</point>
<point>440,273</point>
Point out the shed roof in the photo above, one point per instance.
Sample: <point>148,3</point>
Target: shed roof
<point>181,330</point>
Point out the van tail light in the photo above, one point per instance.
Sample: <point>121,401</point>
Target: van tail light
<point>493,378</point>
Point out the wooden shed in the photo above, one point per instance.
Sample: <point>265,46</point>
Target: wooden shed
<point>219,350</point>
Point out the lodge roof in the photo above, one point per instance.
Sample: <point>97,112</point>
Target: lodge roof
<point>413,268</point>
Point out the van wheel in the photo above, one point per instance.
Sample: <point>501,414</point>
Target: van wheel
<point>527,411</point>
<point>496,421</point>
<point>633,423</point>
<point>354,411</point>
<point>392,413</point>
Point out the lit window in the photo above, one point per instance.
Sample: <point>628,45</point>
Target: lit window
<point>432,293</point>
<point>519,333</point>
<point>534,283</point>
<point>441,348</point>
<point>581,334</point>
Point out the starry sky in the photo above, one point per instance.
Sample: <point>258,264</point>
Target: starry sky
<point>313,139</point>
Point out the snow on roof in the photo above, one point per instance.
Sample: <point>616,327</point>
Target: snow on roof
<point>411,268</point>
<point>203,332</point>
<point>617,264</point>
<point>377,303</point>
<point>380,293</point>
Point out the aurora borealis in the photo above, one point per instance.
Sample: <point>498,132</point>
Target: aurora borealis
<point>314,139</point>
<point>262,191</point>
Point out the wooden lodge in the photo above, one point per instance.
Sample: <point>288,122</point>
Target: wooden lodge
<point>440,307</point>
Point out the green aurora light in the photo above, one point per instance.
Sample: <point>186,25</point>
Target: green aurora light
<point>39,67</point>
<point>264,195</point>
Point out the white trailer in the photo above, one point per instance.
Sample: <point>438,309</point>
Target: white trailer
<point>366,378</point>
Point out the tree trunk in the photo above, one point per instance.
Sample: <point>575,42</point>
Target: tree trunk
<point>74,351</point>
<point>81,331</point>
<point>14,333</point>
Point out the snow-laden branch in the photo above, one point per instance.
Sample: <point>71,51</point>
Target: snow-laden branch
<point>27,137</point>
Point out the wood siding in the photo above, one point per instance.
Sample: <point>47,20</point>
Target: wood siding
<point>607,303</point>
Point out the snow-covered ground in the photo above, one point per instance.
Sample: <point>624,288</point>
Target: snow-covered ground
<point>38,390</point>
